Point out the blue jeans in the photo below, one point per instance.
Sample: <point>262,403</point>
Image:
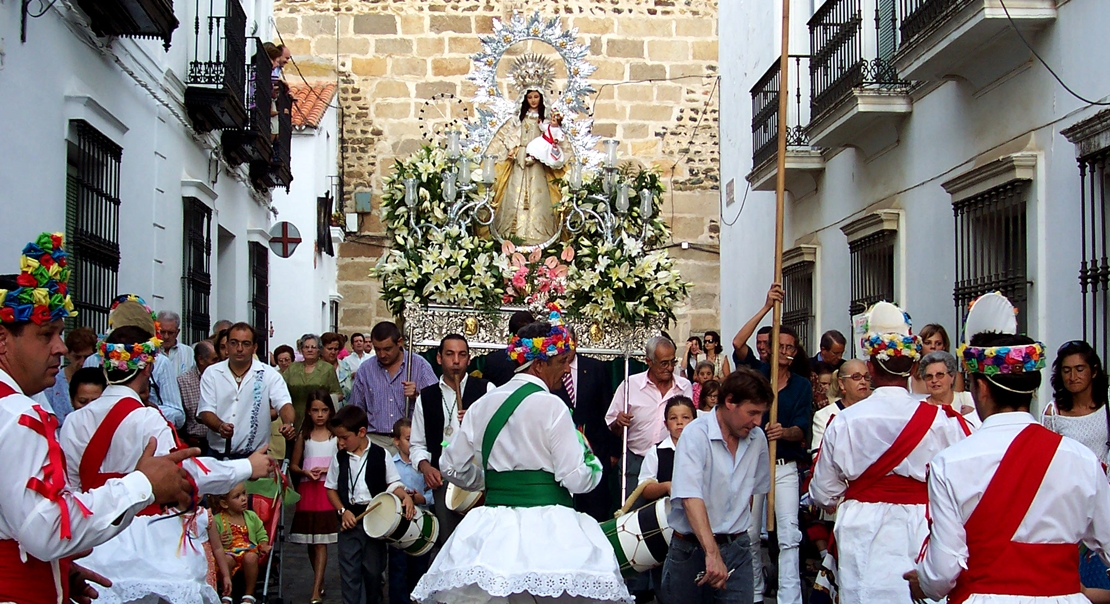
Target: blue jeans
<point>404,572</point>
<point>685,559</point>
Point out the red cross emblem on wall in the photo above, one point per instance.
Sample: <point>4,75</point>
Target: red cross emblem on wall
<point>284,239</point>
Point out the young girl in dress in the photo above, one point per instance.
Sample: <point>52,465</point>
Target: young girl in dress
<point>659,460</point>
<point>243,537</point>
<point>702,374</point>
<point>315,522</point>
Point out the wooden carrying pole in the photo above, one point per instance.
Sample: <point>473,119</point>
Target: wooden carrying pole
<point>780,199</point>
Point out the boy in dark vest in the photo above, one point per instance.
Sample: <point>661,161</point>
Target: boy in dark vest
<point>359,472</point>
<point>438,417</point>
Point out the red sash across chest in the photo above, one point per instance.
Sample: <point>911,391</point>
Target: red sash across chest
<point>998,565</point>
<point>878,485</point>
<point>33,581</point>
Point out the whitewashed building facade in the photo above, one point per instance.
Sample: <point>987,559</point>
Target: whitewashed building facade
<point>932,158</point>
<point>142,129</point>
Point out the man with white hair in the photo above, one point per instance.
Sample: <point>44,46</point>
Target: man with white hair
<point>179,354</point>
<point>643,416</point>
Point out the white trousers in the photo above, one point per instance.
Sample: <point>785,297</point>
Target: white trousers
<point>790,538</point>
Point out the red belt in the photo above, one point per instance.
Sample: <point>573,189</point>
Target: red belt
<point>891,488</point>
<point>1033,569</point>
<point>30,582</point>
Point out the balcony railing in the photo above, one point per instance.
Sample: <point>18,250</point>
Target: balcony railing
<point>217,69</point>
<point>254,143</point>
<point>765,111</point>
<point>848,55</point>
<point>132,18</point>
<point>922,15</point>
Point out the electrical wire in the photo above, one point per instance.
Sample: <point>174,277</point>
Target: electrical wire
<point>1075,94</point>
<point>743,203</point>
<point>686,154</point>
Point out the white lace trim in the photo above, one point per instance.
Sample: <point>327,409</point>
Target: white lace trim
<point>174,592</point>
<point>596,586</point>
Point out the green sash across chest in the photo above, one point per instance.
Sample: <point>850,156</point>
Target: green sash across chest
<point>518,488</point>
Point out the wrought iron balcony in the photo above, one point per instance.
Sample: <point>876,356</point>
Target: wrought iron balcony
<point>253,143</point>
<point>803,162</point>
<point>856,95</point>
<point>972,39</point>
<point>217,72</point>
<point>131,18</point>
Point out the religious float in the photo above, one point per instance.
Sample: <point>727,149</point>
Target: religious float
<point>519,205</point>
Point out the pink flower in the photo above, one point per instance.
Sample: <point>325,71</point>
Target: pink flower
<point>518,259</point>
<point>535,255</point>
<point>507,248</point>
<point>551,262</point>
<point>568,254</point>
<point>518,281</point>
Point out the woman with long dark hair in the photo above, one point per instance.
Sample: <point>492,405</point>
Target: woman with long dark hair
<point>1079,387</point>
<point>713,350</point>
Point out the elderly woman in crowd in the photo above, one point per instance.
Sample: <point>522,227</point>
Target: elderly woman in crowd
<point>934,338</point>
<point>938,371</point>
<point>283,357</point>
<point>302,377</point>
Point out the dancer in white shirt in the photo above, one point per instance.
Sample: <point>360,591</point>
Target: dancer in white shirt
<point>160,557</point>
<point>1010,504</point>
<point>527,542</point>
<point>42,522</point>
<point>872,465</point>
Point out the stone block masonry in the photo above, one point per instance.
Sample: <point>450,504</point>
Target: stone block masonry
<point>396,54</point>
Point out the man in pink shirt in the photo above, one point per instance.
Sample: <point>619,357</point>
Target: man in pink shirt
<point>646,394</point>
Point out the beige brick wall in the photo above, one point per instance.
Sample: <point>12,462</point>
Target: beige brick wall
<point>393,55</point>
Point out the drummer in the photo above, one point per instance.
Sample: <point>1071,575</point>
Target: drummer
<point>359,472</point>
<point>437,418</point>
<point>720,460</point>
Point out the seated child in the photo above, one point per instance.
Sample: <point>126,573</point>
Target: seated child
<point>87,385</point>
<point>243,537</point>
<point>405,570</point>
<point>359,472</point>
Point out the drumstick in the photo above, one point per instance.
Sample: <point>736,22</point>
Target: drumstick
<point>367,511</point>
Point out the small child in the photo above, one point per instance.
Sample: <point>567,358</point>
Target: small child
<point>214,551</point>
<point>243,537</point>
<point>659,460</point>
<point>703,373</point>
<point>707,400</point>
<point>405,570</point>
<point>358,472</point>
<point>315,523</point>
<point>87,385</point>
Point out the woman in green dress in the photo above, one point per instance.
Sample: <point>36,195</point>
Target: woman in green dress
<point>302,377</point>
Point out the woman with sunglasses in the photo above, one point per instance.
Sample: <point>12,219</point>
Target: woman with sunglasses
<point>713,354</point>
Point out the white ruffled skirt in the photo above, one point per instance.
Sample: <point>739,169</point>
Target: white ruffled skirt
<point>507,555</point>
<point>148,563</point>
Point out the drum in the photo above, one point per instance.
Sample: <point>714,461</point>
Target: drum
<point>386,521</point>
<point>640,538</point>
<point>460,500</point>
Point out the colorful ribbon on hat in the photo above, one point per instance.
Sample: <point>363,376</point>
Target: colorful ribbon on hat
<point>130,357</point>
<point>885,346</point>
<point>1002,360</point>
<point>556,342</point>
<point>43,294</point>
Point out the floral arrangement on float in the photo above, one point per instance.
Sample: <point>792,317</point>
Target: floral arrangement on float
<point>604,266</point>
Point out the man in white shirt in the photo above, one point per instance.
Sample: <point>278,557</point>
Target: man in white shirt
<point>643,418</point>
<point>1010,504</point>
<point>236,396</point>
<point>179,354</point>
<point>43,523</point>
<point>873,462</point>
<point>720,463</point>
<point>437,419</point>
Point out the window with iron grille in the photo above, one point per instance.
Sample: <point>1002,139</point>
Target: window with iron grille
<point>872,260</point>
<point>92,223</point>
<point>323,224</point>
<point>797,308</point>
<point>1094,267</point>
<point>991,248</point>
<point>196,278</point>
<point>333,315</point>
<point>259,261</point>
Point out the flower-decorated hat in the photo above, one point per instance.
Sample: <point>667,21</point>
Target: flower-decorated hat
<point>130,310</point>
<point>993,313</point>
<point>888,334</point>
<point>557,341</point>
<point>43,294</point>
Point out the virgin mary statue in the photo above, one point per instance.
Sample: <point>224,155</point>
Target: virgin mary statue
<point>532,152</point>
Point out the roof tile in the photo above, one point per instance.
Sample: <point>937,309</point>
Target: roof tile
<point>310,102</point>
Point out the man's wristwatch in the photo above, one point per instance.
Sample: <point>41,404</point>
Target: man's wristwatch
<point>341,510</point>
